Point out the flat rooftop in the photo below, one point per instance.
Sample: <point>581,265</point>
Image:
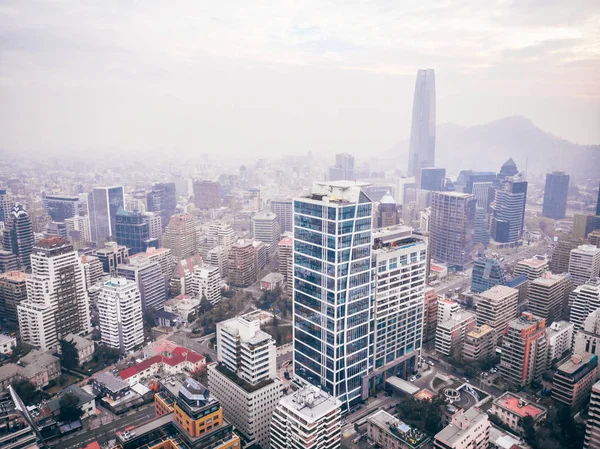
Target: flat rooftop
<point>452,433</point>
<point>518,405</point>
<point>311,403</point>
<point>534,262</point>
<point>549,279</point>
<point>480,331</point>
<point>577,362</point>
<point>498,292</point>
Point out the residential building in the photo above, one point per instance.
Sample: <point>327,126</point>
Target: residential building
<point>508,209</point>
<point>162,199</point>
<point>512,408</point>
<point>207,195</point>
<point>181,281</point>
<point>18,430</point>
<point>150,281</point>
<point>451,227</point>
<point>562,255</point>
<point>8,261</point>
<point>556,191</point>
<point>78,229</point>
<point>594,238</point>
<point>560,339</point>
<point>583,224</point>
<point>85,348</point>
<point>56,228</point>
<point>340,248</point>
<point>308,418</point>
<point>218,257</point>
<point>40,367</point>
<point>480,344</point>
<point>241,264</point>
<point>520,283</point>
<point>184,306</point>
<point>284,210</point>
<point>524,350</point>
<point>548,294</point>
<point>450,334</point>
<point>592,430</point>
<point>388,212</point>
<point>18,235</point>
<point>112,255</point>
<point>573,380</point>
<point>85,401</point>
<point>180,236</point>
<point>422,132</point>
<point>343,170</point>
<point>187,416</point>
<point>399,261</point>
<point>246,375</point>
<point>496,307</point>
<point>162,256</point>
<point>467,430</point>
<point>286,262</point>
<point>103,204</point>
<point>206,283</point>
<point>13,291</point>
<point>584,263</point>
<point>7,343</point>
<point>155,229</point>
<point>486,274</point>
<point>272,281</point>
<point>93,270</point>
<point>265,228</point>
<point>120,314</point>
<point>388,432</point>
<point>430,314</point>
<point>105,384</point>
<point>586,300</point>
<point>446,309</point>
<point>587,339</point>
<point>57,302</point>
<point>532,268</point>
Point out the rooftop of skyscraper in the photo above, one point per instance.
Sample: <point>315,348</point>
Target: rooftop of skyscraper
<point>498,292</point>
<point>344,192</point>
<point>311,403</point>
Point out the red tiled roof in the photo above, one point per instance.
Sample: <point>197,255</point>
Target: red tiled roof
<point>142,366</point>
<point>92,445</point>
<point>180,355</point>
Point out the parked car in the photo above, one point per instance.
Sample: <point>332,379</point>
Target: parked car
<point>413,378</point>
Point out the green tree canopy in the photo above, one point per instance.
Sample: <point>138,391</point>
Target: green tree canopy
<point>69,357</point>
<point>69,408</point>
<point>26,391</point>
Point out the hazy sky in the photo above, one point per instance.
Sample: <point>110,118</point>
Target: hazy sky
<point>287,75</point>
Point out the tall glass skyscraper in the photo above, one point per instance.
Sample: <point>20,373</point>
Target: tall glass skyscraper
<point>509,209</point>
<point>422,133</point>
<point>103,204</point>
<point>332,288</point>
<point>556,191</point>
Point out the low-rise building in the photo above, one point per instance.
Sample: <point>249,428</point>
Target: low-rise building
<point>388,432</point>
<point>512,408</point>
<point>184,306</point>
<point>480,343</point>
<point>271,281</point>
<point>532,268</point>
<point>574,379</point>
<point>41,367</point>
<point>105,384</point>
<point>467,430</point>
<point>9,372</point>
<point>85,348</point>
<point>85,401</point>
<point>560,338</point>
<point>7,343</point>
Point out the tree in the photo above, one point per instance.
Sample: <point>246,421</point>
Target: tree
<point>69,408</point>
<point>205,305</point>
<point>106,356</point>
<point>69,357</point>
<point>149,318</point>
<point>201,375</point>
<point>529,433</point>
<point>26,391</point>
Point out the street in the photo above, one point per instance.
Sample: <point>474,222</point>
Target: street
<point>105,432</point>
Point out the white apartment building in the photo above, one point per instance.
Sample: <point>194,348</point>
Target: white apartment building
<point>206,281</point>
<point>93,270</point>
<point>182,305</point>
<point>120,313</point>
<point>7,343</point>
<point>468,430</point>
<point>497,306</point>
<point>155,229</point>
<point>584,263</point>
<point>559,337</point>
<point>309,419</point>
<point>592,430</point>
<point>586,299</point>
<point>532,268</point>
<point>57,302</point>
<point>265,228</point>
<point>587,339</point>
<point>446,308</point>
<point>160,255</point>
<point>450,334</point>
<point>81,224</point>
<point>217,257</point>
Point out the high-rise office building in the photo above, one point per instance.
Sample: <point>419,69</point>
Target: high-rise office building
<point>524,350</point>
<point>93,270</point>
<point>508,209</point>
<point>587,338</point>
<point>150,281</point>
<point>592,430</point>
<point>561,255</point>
<point>583,224</point>
<point>155,228</point>
<point>8,261</point>
<point>388,212</point>
<point>548,294</point>
<point>180,236</point>
<point>586,299</point>
<point>309,419</point>
<point>594,238</point>
<point>532,268</point>
<point>508,169</point>
<point>476,182</point>
<point>286,262</point>
<point>450,334</point>
<point>13,291</point>
<point>343,170</point>
<point>56,229</point>
<point>332,284</point>
<point>430,314</point>
<point>496,307</point>
<point>133,231</point>
<point>430,178</point>
<point>265,228</point>
<point>207,195</point>
<point>18,235</point>
<point>103,204</point>
<point>584,263</point>
<point>422,132</point>
<point>57,301</point>
<point>241,264</point>
<point>217,257</point>
<point>284,210</point>
<point>480,343</point>
<point>451,227</point>
<point>573,380</point>
<point>162,199</point>
<point>5,204</point>
<point>120,314</point>
<point>112,255</point>
<point>486,274</point>
<point>556,191</point>
<point>78,229</point>
<point>247,377</point>
<point>61,207</point>
<point>399,259</point>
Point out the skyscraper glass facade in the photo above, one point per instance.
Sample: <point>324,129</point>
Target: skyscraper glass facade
<point>103,204</point>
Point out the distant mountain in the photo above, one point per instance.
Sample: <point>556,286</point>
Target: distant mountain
<point>488,146</point>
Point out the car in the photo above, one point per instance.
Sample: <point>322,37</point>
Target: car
<point>413,378</point>
<point>419,376</point>
<point>430,363</point>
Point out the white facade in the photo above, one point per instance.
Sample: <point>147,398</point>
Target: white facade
<point>206,281</point>
<point>584,263</point>
<point>7,343</point>
<point>265,228</point>
<point>497,306</point>
<point>587,339</point>
<point>468,430</point>
<point>154,226</point>
<point>120,311</point>
<point>79,223</point>
<point>57,301</point>
<point>217,257</point>
<point>586,299</point>
<point>446,308</point>
<point>560,337</point>
<point>309,419</point>
<point>93,269</point>
<point>532,268</point>
<point>246,350</point>
<point>451,333</point>
<point>182,305</point>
